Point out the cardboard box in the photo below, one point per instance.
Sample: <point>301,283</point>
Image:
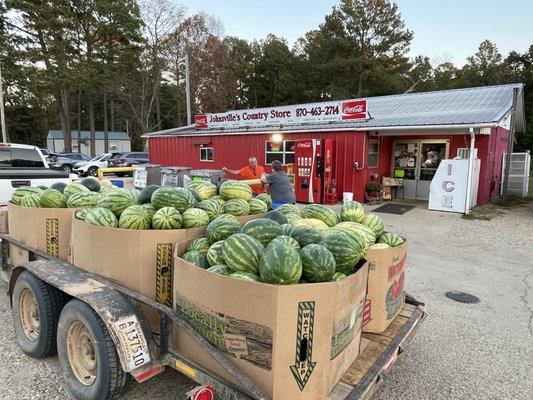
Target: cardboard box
<point>4,226</point>
<point>47,229</point>
<point>245,218</point>
<point>385,295</point>
<point>295,341</point>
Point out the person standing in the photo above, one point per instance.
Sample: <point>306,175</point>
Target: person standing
<point>279,186</point>
<point>251,171</point>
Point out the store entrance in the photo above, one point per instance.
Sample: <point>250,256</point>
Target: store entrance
<point>416,163</point>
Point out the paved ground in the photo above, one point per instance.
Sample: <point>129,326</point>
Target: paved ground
<point>480,351</point>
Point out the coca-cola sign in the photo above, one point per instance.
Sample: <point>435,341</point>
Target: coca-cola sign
<point>200,121</point>
<point>353,109</point>
<point>304,144</point>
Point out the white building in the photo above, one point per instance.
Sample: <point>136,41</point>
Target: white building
<point>118,141</point>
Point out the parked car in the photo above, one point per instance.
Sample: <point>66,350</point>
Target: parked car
<point>85,168</point>
<point>127,159</point>
<point>47,153</point>
<point>66,161</point>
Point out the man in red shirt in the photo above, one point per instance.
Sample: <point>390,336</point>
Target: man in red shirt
<point>251,171</point>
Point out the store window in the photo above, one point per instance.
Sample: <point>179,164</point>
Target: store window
<point>372,159</point>
<point>279,151</point>
<point>206,154</point>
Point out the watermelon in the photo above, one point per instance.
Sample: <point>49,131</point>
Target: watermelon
<point>104,189</point>
<point>292,217</point>
<point>218,199</point>
<point>287,240</point>
<point>116,200</point>
<point>60,186</point>
<point>358,236</point>
<point>31,200</point>
<point>211,207</point>
<point>306,235</point>
<point>318,264</point>
<point>236,207</point>
<point>265,198</point>
<point>288,208</point>
<point>244,276</point>
<point>166,218</point>
<point>352,211</point>
<point>52,198</point>
<point>232,189</point>
<point>375,223</point>
<point>262,229</point>
<point>196,257</point>
<point>313,222</point>
<point>346,250</point>
<point>83,200</point>
<point>73,188</point>
<point>135,217</point>
<point>102,217</point>
<point>199,244</point>
<point>286,229</point>
<point>391,239</point>
<point>80,214</point>
<point>337,276</point>
<point>91,183</point>
<point>214,254</point>
<point>205,190</point>
<point>177,197</point>
<point>220,269</point>
<point>146,194</point>
<point>22,191</point>
<point>194,218</point>
<point>150,208</point>
<point>363,230</point>
<point>257,206</point>
<point>277,216</point>
<point>195,196</point>
<point>43,187</point>
<point>135,195</point>
<point>221,228</point>
<point>379,246</point>
<point>193,185</point>
<point>242,252</point>
<point>322,213</point>
<point>280,264</point>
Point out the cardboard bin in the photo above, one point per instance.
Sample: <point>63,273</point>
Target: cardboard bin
<point>4,226</point>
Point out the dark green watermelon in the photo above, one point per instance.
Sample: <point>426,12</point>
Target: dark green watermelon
<point>277,216</point>
<point>91,183</point>
<point>59,186</point>
<point>306,235</point>
<point>146,194</point>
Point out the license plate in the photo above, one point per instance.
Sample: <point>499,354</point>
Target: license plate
<point>133,342</point>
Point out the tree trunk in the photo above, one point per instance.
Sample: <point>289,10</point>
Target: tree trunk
<point>79,121</point>
<point>360,84</point>
<point>112,113</point>
<point>91,125</point>
<point>158,107</point>
<point>64,115</point>
<point>106,132</point>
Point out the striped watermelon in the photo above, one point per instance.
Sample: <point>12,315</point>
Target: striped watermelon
<point>211,207</point>
<point>194,218</point>
<point>257,206</point>
<point>293,217</point>
<point>52,198</point>
<point>346,250</point>
<point>286,229</point>
<point>352,211</point>
<point>193,185</point>
<point>150,208</point>
<point>265,198</point>
<point>116,200</point>
<point>338,276</point>
<point>375,223</point>
<point>242,252</point>
<point>220,269</point>
<point>104,189</point>
<point>286,240</point>
<point>232,189</point>
<point>73,188</point>
<point>322,213</point>
<point>306,235</point>
<point>199,244</point>
<point>221,228</point>
<point>83,200</point>
<point>31,200</point>
<point>280,264</point>
<point>214,254</point>
<point>80,214</point>
<point>166,218</point>
<point>135,217</point>
<point>135,195</point>
<point>289,208</point>
<point>379,246</point>
<point>22,191</point>
<point>196,257</point>
<point>313,222</point>
<point>363,230</point>
<point>391,239</point>
<point>218,199</point>
<point>205,190</point>
<point>318,264</point>
<point>102,217</point>
<point>146,194</point>
<point>236,207</point>
<point>244,276</point>
<point>262,229</point>
<point>177,197</point>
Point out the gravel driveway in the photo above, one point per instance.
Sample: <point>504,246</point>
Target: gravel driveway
<point>462,351</point>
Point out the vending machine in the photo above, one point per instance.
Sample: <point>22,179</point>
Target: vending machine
<point>313,170</point>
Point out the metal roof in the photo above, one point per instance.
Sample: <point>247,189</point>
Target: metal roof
<point>99,135</point>
<point>469,107</point>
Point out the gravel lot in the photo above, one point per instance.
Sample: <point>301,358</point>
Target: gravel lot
<point>462,351</point>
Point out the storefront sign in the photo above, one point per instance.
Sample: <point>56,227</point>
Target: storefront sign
<point>331,111</point>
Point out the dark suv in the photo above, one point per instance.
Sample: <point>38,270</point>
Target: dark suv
<point>66,161</point>
<point>127,159</point>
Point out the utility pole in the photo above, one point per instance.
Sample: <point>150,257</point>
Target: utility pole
<point>2,112</point>
<point>510,145</point>
<point>187,89</point>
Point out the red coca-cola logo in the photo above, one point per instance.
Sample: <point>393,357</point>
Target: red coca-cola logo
<point>355,109</point>
<point>304,144</point>
<point>200,121</point>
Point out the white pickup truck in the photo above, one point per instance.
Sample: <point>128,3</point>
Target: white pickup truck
<point>24,165</point>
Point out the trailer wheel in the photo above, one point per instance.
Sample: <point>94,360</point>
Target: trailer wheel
<point>36,309</point>
<point>87,354</point>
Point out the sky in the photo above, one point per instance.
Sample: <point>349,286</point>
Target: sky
<point>443,30</point>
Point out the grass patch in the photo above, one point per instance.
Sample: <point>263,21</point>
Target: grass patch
<point>483,213</point>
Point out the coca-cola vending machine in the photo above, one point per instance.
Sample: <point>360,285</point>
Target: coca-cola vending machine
<point>313,170</point>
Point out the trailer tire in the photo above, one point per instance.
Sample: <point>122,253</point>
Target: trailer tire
<point>87,354</point>
<point>36,309</point>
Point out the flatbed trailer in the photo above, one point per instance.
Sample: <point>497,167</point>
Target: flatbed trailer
<point>112,340</point>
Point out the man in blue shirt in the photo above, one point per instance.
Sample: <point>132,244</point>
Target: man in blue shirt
<point>279,186</point>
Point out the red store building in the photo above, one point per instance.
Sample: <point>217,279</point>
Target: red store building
<point>392,136</point>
